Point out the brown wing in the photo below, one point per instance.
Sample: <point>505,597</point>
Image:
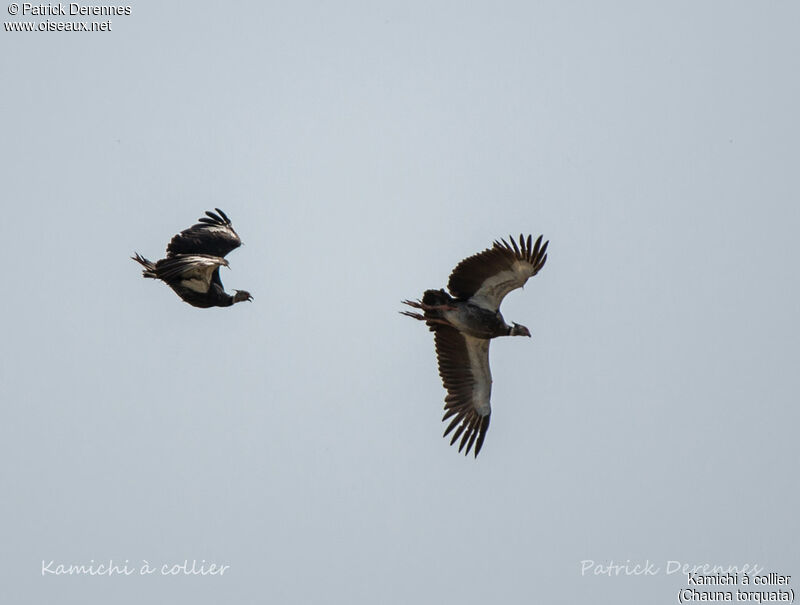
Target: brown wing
<point>193,271</point>
<point>212,235</point>
<point>464,368</point>
<point>488,276</point>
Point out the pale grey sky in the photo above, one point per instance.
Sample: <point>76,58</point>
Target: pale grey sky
<point>362,149</point>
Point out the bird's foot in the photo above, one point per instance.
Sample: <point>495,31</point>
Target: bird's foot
<point>418,304</point>
<point>429,320</point>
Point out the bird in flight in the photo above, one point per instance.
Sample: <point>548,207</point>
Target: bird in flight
<point>463,323</point>
<point>194,257</point>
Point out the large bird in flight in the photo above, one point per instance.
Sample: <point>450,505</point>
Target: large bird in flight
<point>463,323</point>
<point>194,257</point>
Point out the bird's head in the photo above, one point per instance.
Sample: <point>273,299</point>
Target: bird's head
<point>241,296</point>
<point>519,330</point>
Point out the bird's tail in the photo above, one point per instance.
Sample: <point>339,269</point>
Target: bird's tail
<point>433,316</point>
<point>436,298</point>
<point>432,304</point>
<point>149,266</point>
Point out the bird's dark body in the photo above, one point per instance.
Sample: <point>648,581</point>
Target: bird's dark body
<point>215,297</point>
<point>466,316</point>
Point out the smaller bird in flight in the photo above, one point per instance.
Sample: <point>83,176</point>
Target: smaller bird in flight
<point>464,323</point>
<point>194,257</point>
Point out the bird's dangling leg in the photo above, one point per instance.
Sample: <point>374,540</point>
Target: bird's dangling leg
<point>430,320</point>
<point>418,304</point>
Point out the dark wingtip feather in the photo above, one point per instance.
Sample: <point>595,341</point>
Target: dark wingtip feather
<point>482,434</point>
<point>475,431</point>
<point>215,219</point>
<point>457,434</point>
<point>469,434</point>
<point>452,424</point>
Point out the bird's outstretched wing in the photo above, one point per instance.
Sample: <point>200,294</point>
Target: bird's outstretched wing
<point>213,235</point>
<point>193,271</point>
<point>464,368</point>
<point>488,276</point>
